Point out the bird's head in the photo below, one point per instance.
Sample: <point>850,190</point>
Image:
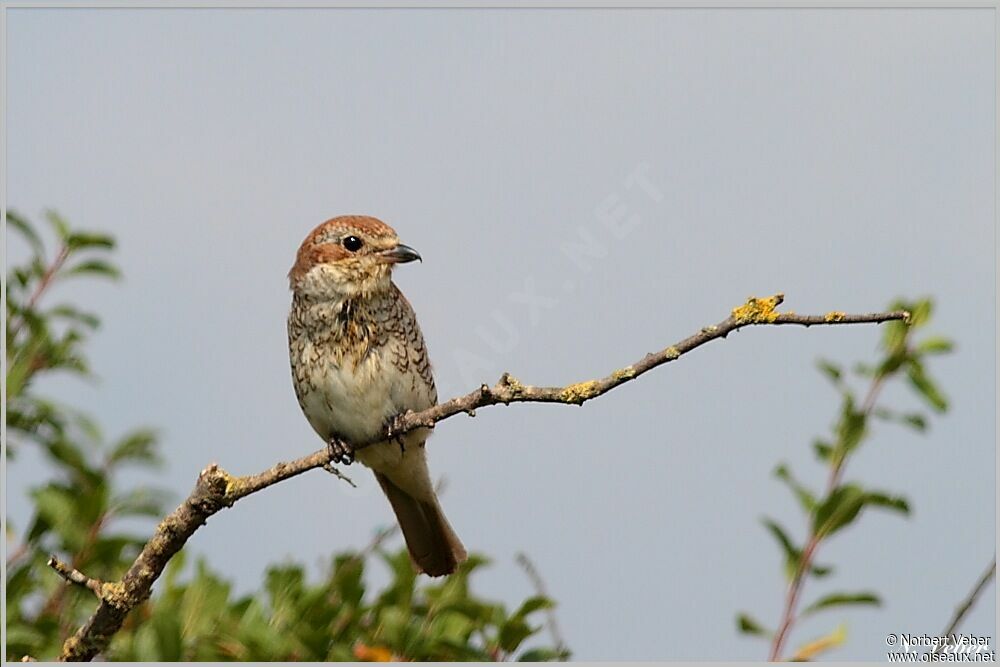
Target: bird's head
<point>348,256</point>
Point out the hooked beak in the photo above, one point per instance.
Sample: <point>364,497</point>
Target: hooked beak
<point>401,254</point>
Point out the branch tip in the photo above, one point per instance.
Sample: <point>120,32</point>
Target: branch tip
<point>74,576</point>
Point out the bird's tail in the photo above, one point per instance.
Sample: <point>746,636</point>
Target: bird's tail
<point>433,545</point>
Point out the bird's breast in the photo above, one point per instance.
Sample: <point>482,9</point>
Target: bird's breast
<point>353,396</point>
<point>342,395</point>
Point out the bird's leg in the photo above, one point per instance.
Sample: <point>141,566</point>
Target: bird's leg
<point>340,450</point>
<point>390,429</point>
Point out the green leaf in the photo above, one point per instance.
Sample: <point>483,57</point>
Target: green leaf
<point>513,632</point>
<point>864,370</point>
<point>885,501</point>
<point>935,345</point>
<point>913,420</point>
<point>806,498</point>
<point>116,553</point>
<point>925,387</point>
<point>838,510</point>
<point>168,637</point>
<point>347,578</point>
<point>70,456</point>
<point>60,226</point>
<point>544,655</point>
<point>749,626</point>
<point>401,591</point>
<point>136,447</point>
<point>920,312</point>
<point>79,240</point>
<point>831,370</point>
<point>93,267</point>
<point>174,567</point>
<point>18,374</point>
<point>67,312</point>
<point>23,635</point>
<point>533,604</point>
<point>839,599</point>
<point>15,221</point>
<point>141,501</point>
<point>820,571</point>
<point>850,428</point>
<point>792,553</point>
<point>894,335</point>
<point>823,449</point>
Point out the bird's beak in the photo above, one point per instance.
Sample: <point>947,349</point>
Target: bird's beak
<point>401,254</point>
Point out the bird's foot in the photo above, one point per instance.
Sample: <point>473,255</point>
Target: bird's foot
<point>340,451</point>
<point>392,428</point>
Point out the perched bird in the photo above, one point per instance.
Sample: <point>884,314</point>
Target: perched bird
<point>358,361</point>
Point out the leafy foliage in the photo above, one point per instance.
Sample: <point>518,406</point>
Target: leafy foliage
<point>336,618</point>
<point>79,510</point>
<point>842,503</point>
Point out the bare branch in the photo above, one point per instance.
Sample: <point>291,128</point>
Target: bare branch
<point>969,601</point>
<point>329,467</point>
<point>74,576</point>
<point>216,489</point>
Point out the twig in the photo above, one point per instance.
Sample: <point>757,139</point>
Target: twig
<point>329,467</point>
<point>74,576</point>
<point>540,589</point>
<point>217,489</point>
<point>812,544</point>
<point>967,603</point>
<point>43,284</point>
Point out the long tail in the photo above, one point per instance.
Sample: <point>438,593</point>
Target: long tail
<point>433,545</point>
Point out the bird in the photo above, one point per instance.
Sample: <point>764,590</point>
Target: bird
<point>358,361</point>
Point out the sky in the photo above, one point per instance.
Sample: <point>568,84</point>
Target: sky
<point>585,186</point>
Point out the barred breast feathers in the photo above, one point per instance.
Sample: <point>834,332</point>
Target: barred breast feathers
<point>380,329</point>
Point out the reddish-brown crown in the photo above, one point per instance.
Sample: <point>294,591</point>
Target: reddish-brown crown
<point>318,248</point>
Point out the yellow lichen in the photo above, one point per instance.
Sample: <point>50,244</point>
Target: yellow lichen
<point>234,485</point>
<point>757,311</point>
<point>71,648</point>
<point>834,316</point>
<point>510,387</point>
<point>579,392</point>
<point>672,352</point>
<point>626,373</point>
<point>513,383</point>
<point>113,592</point>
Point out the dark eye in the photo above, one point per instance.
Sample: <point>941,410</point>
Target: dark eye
<point>353,243</point>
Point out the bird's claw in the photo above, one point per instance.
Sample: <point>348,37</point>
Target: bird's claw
<point>340,451</point>
<point>391,428</point>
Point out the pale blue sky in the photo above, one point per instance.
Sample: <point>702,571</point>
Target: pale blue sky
<point>844,157</point>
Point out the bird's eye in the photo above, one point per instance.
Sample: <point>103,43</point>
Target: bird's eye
<point>353,243</point>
